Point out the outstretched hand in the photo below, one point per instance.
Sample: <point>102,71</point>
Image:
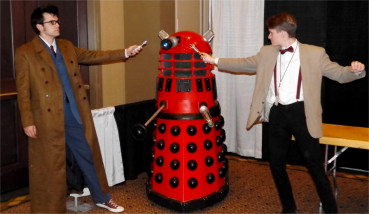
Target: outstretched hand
<point>357,67</point>
<point>133,50</point>
<point>207,58</point>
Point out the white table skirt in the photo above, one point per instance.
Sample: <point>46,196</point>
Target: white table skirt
<point>107,134</point>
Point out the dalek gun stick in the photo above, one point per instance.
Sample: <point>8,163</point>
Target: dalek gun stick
<point>205,113</point>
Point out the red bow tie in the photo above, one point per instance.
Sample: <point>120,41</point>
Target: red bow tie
<point>290,49</point>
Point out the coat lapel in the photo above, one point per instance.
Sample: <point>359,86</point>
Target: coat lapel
<point>302,59</point>
<point>64,49</point>
<point>304,68</point>
<point>44,54</point>
<point>270,64</point>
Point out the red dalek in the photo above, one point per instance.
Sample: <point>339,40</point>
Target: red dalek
<point>189,167</point>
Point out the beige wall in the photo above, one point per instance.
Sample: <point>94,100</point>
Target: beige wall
<point>142,22</point>
<point>116,24</point>
<point>106,32</point>
<point>188,15</point>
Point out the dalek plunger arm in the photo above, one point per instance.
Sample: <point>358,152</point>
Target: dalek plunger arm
<point>139,131</point>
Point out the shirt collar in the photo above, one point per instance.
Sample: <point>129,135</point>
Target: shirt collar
<point>53,43</point>
<point>293,45</point>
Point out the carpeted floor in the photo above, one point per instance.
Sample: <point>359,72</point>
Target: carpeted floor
<point>251,190</point>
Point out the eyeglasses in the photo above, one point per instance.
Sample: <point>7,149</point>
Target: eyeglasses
<point>52,22</point>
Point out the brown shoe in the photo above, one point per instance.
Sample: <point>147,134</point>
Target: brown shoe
<point>111,206</point>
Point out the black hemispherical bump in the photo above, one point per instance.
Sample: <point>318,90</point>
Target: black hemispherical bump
<point>208,144</point>
<point>206,128</point>
<point>154,123</point>
<point>220,156</point>
<point>191,130</point>
<point>222,172</point>
<point>192,183</point>
<point>175,130</point>
<point>160,145</point>
<point>209,161</point>
<point>217,125</point>
<point>174,148</point>
<point>210,178</point>
<point>191,147</point>
<point>174,182</point>
<point>152,155</point>
<point>224,148</point>
<point>218,140</point>
<point>225,164</point>
<point>221,121</point>
<point>222,135</point>
<point>192,165</point>
<point>159,178</point>
<point>174,164</point>
<point>162,128</point>
<point>160,161</point>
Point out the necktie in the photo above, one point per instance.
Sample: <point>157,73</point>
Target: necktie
<point>290,49</point>
<point>52,49</point>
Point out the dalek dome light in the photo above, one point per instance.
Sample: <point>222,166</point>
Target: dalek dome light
<point>180,42</point>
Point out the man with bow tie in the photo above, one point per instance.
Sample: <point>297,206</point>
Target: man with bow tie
<point>287,94</point>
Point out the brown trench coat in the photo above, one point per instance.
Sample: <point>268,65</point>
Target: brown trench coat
<point>40,101</point>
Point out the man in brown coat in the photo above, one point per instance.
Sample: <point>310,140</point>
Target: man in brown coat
<point>55,113</point>
<point>287,94</point>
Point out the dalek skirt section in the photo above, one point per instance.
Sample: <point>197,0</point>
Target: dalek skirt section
<point>189,168</point>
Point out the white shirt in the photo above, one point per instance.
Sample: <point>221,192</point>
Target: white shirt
<point>53,44</point>
<point>288,67</point>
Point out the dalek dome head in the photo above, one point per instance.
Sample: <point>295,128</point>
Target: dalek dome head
<point>185,42</point>
<point>185,79</point>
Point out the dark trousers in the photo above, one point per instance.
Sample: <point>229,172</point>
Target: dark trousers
<point>77,143</point>
<point>285,121</point>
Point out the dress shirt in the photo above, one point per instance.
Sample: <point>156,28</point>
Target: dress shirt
<point>53,43</point>
<point>288,67</point>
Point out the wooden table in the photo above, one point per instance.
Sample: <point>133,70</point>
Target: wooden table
<point>345,137</point>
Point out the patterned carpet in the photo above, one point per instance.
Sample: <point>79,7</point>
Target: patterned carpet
<point>251,190</point>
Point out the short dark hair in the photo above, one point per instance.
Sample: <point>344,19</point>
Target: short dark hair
<point>38,18</point>
<point>283,21</point>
